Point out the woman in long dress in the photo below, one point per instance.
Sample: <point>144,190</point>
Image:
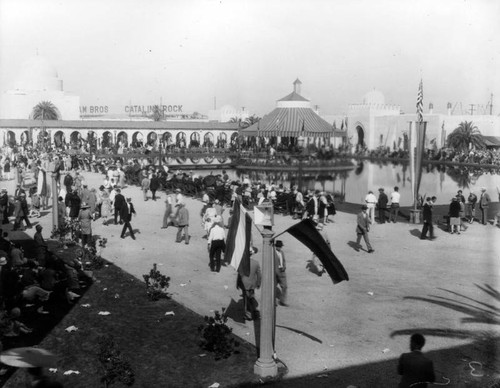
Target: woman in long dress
<point>43,185</point>
<point>168,212</point>
<point>105,207</point>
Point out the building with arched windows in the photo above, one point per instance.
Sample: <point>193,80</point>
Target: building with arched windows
<point>38,81</point>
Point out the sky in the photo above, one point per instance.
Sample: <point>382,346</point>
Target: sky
<point>247,53</point>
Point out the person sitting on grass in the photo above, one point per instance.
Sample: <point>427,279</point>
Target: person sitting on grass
<point>10,326</point>
<point>415,369</point>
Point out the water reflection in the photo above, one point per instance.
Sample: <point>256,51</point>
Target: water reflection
<point>353,184</point>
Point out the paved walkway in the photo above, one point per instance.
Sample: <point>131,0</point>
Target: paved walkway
<point>407,284</point>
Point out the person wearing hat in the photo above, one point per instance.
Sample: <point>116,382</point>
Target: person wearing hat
<point>216,245</point>
<point>427,218</point>
<point>126,214</point>
<point>40,246</point>
<point>119,202</point>
<point>145,185</point>
<point>280,272</point>
<point>362,229</point>
<point>471,207</point>
<point>68,181</point>
<point>85,219</point>
<point>4,206</point>
<point>248,284</point>
<point>454,213</point>
<point>371,202</point>
<point>182,223</point>
<point>21,212</point>
<point>484,203</point>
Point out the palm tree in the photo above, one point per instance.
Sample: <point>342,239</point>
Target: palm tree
<point>45,110</point>
<point>157,113</point>
<point>465,135</point>
<point>249,121</point>
<point>236,120</point>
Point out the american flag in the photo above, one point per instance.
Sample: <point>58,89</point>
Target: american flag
<point>420,104</point>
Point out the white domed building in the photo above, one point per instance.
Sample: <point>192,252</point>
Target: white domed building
<point>38,81</point>
<point>362,126</point>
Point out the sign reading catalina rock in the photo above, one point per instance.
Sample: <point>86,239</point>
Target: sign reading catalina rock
<point>141,109</point>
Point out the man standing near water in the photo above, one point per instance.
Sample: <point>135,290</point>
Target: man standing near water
<point>395,198</point>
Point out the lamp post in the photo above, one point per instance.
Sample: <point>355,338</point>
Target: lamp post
<point>265,365</point>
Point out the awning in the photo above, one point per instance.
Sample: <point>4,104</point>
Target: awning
<point>292,122</point>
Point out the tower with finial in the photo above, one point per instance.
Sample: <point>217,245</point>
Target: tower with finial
<point>297,86</point>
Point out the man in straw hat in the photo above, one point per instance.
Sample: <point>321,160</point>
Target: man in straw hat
<point>85,219</point>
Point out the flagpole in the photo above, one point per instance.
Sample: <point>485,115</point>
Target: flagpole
<point>265,366</point>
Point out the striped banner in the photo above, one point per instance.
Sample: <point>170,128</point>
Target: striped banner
<point>238,239</point>
<point>420,102</point>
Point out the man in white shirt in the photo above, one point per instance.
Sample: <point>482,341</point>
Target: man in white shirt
<point>395,197</point>
<point>216,244</point>
<point>371,201</point>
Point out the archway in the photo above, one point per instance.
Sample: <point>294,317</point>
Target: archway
<point>194,139</point>
<point>208,140</point>
<point>25,138</point>
<point>137,140</point>
<point>75,139</point>
<point>221,140</point>
<point>122,139</point>
<point>180,140</point>
<point>167,139</point>
<point>59,139</point>
<point>234,138</point>
<point>107,140</point>
<point>11,138</point>
<point>152,136</point>
<point>361,136</point>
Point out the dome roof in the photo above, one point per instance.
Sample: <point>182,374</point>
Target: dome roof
<point>228,109</point>
<point>374,97</point>
<point>37,73</point>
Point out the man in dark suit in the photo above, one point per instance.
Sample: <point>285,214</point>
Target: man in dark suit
<point>416,369</point>
<point>427,217</point>
<point>280,272</point>
<point>19,191</point>
<point>248,285</point>
<point>484,203</point>
<point>126,212</point>
<point>362,229</point>
<point>118,204</point>
<point>383,200</point>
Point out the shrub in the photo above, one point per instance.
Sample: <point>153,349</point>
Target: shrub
<point>156,284</point>
<point>217,337</point>
<point>113,363</point>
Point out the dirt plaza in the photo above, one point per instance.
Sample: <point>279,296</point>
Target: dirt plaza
<point>447,289</point>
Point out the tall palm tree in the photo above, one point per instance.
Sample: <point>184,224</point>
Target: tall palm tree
<point>465,135</point>
<point>45,110</point>
<point>251,120</point>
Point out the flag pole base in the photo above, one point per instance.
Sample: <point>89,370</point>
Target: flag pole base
<point>265,368</point>
<point>415,216</point>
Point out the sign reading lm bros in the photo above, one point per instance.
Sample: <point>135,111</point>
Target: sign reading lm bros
<point>139,110</point>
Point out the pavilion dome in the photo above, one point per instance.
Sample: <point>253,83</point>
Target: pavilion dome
<point>38,74</point>
<point>374,97</point>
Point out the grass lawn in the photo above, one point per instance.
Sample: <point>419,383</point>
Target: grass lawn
<point>162,349</point>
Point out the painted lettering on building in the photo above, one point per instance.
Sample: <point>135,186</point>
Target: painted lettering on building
<point>147,109</point>
<point>94,109</point>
